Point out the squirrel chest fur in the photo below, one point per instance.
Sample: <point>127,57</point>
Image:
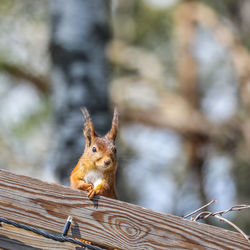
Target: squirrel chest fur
<point>94,177</point>
<point>96,169</point>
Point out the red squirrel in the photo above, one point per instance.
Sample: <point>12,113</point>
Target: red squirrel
<point>96,169</point>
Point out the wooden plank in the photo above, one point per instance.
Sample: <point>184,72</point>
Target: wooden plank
<point>105,222</point>
<point>15,238</point>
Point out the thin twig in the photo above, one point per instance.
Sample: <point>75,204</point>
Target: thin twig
<point>206,214</point>
<point>218,215</point>
<point>202,215</point>
<point>233,225</point>
<point>197,210</point>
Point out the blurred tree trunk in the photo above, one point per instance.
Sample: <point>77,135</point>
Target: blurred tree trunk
<point>189,88</point>
<point>79,35</point>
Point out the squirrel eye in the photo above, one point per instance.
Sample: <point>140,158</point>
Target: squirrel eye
<point>94,149</point>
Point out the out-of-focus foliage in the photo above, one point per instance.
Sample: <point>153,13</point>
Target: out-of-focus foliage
<point>187,74</point>
<point>181,76</point>
<point>24,104</point>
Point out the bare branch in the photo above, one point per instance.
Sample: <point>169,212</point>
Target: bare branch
<point>199,209</point>
<point>218,215</point>
<point>39,81</point>
<point>202,215</point>
<point>233,225</point>
<point>206,214</point>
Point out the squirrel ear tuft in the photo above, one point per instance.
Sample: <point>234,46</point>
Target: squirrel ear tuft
<point>88,130</point>
<point>113,131</point>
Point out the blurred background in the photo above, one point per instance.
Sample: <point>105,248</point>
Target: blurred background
<point>179,72</point>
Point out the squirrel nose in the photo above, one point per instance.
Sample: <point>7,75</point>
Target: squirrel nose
<point>107,162</point>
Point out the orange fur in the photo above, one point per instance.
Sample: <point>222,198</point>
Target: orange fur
<point>95,170</point>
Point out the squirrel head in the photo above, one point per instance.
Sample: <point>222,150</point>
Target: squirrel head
<point>100,151</point>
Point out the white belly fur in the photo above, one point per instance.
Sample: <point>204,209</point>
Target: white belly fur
<point>94,177</point>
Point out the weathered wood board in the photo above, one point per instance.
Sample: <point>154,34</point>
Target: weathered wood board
<point>104,222</point>
<point>20,239</point>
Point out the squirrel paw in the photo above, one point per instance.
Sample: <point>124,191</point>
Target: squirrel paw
<point>92,192</point>
<point>90,187</point>
<point>86,186</point>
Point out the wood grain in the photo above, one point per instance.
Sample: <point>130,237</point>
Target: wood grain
<point>15,238</point>
<point>105,222</point>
